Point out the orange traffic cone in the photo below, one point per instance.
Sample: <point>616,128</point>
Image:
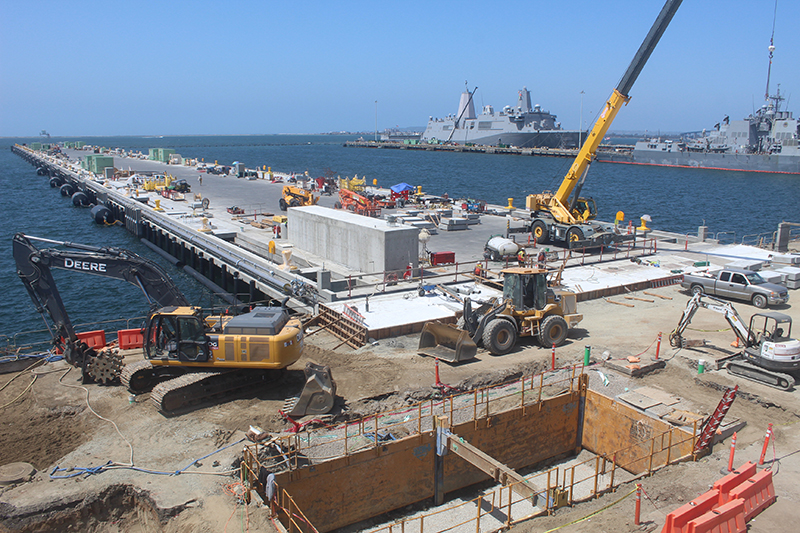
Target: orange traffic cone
<point>735,343</point>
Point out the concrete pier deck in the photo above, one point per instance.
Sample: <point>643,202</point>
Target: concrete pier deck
<point>236,251</point>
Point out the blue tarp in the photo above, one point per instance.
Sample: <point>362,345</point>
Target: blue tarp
<point>400,187</point>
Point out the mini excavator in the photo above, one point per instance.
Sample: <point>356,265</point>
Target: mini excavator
<point>188,357</point>
<point>769,354</point>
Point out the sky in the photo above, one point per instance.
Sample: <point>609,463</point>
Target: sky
<point>166,67</point>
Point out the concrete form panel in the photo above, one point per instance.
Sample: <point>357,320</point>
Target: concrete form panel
<point>612,427</point>
<point>357,242</point>
<point>346,490</point>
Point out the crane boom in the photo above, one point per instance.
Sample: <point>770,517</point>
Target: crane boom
<point>558,204</point>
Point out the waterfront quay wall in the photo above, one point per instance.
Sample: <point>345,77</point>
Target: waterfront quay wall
<point>231,272</point>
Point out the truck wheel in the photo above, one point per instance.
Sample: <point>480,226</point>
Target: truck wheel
<point>499,337</point>
<point>553,330</point>
<point>539,230</point>
<point>337,205</point>
<point>494,255</point>
<point>760,301</point>
<point>283,204</point>
<point>697,289</point>
<point>574,234</point>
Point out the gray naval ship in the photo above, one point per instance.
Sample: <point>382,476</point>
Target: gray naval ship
<point>523,126</point>
<point>765,141</point>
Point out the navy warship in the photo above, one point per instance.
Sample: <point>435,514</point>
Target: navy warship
<point>523,126</point>
<point>767,140</point>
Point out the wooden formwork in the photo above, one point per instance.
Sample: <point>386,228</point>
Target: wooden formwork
<point>514,424</point>
<point>349,331</point>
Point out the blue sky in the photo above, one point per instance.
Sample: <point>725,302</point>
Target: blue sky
<point>236,67</point>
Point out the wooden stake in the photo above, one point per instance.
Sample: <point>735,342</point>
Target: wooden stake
<point>640,299</point>
<point>618,303</point>
<point>657,295</point>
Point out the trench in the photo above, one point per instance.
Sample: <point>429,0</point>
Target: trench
<point>547,439</point>
<point>93,512</point>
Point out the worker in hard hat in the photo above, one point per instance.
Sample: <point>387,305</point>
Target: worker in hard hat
<point>521,256</point>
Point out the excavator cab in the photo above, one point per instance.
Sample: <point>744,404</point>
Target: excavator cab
<point>177,333</point>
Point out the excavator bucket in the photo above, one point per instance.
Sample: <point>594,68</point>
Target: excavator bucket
<point>446,342</point>
<point>318,393</point>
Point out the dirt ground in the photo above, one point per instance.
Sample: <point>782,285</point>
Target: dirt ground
<point>52,424</point>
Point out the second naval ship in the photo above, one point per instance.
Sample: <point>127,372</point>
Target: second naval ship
<point>523,126</point>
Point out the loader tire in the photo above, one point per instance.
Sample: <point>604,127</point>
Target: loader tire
<point>283,205</point>
<point>553,330</point>
<point>499,337</point>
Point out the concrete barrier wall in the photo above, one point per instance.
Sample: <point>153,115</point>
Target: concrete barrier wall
<point>358,242</point>
<point>612,427</point>
<point>343,491</point>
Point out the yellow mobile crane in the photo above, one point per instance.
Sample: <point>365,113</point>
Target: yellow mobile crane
<point>556,217</point>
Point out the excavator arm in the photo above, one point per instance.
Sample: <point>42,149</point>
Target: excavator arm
<point>34,270</point>
<point>718,306</point>
<point>559,204</point>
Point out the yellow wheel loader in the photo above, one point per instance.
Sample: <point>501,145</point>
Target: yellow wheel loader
<point>528,308</point>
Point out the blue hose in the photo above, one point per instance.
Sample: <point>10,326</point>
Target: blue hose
<point>88,471</point>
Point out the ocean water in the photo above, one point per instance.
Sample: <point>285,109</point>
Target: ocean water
<point>733,204</point>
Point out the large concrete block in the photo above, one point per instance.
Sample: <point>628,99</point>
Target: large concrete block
<point>358,242</point>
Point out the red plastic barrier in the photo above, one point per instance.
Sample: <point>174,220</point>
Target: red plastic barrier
<point>93,339</point>
<point>678,520</point>
<point>728,518</point>
<point>130,339</point>
<point>734,479</point>
<point>757,492</point>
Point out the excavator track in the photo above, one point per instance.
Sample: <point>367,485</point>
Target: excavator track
<point>138,377</point>
<point>197,387</point>
<point>776,380</point>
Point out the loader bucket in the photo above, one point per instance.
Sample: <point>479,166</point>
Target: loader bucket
<point>318,393</point>
<point>446,342</point>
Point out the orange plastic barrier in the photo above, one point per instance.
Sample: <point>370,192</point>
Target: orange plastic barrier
<point>728,518</point>
<point>757,492</point>
<point>734,479</point>
<point>93,339</point>
<point>679,519</point>
<point>130,339</point>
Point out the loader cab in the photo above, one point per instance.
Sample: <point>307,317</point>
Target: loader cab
<point>526,288</point>
<point>175,334</point>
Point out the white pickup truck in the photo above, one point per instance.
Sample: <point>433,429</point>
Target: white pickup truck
<point>738,284</point>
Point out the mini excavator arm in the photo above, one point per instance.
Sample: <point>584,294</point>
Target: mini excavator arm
<point>719,306</point>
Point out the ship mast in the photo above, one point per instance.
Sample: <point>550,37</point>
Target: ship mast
<point>771,49</point>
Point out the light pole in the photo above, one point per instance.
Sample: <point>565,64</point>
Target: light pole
<point>376,121</point>
<point>580,126</point>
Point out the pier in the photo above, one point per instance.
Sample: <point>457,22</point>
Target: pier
<point>329,263</point>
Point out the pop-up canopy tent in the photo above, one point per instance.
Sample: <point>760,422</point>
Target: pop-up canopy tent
<point>401,187</point>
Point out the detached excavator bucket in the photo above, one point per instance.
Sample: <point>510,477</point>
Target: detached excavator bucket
<point>318,393</point>
<point>446,342</point>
